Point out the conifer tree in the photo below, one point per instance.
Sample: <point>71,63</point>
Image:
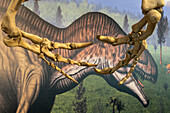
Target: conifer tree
<point>161,30</point>
<point>80,103</point>
<point>59,17</point>
<point>125,24</point>
<point>36,7</point>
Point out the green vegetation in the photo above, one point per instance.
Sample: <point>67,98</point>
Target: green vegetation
<point>96,88</point>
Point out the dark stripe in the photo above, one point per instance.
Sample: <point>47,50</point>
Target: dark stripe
<point>37,32</point>
<point>5,3</point>
<point>52,34</point>
<point>46,30</point>
<point>40,25</point>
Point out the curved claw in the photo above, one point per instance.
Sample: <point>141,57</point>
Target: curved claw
<point>69,77</point>
<point>62,72</point>
<point>87,64</point>
<point>107,70</point>
<point>80,45</point>
<point>106,39</point>
<point>122,81</point>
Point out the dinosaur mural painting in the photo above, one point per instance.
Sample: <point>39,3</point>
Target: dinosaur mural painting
<point>18,66</point>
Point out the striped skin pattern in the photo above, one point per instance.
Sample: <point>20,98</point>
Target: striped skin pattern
<point>18,66</point>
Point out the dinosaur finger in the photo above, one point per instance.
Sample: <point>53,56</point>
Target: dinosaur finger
<point>135,61</point>
<point>57,68</point>
<point>106,39</point>
<point>59,58</point>
<point>80,45</point>
<point>62,72</point>
<point>71,46</point>
<point>34,38</point>
<point>87,64</point>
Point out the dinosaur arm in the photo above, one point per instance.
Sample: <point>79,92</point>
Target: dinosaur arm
<point>45,46</point>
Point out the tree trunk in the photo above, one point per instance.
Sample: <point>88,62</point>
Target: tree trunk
<point>160,53</point>
<point>113,108</point>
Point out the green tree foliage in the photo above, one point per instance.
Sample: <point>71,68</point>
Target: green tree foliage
<point>120,106</point>
<point>161,107</point>
<point>161,30</point>
<point>125,24</point>
<point>165,86</point>
<point>80,103</point>
<point>36,7</point>
<point>59,17</point>
<point>99,106</point>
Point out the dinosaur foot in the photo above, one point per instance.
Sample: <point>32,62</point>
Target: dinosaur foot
<point>80,45</point>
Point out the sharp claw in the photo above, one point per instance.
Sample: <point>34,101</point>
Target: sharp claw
<point>106,39</point>
<point>122,81</point>
<point>80,45</point>
<point>97,70</point>
<point>69,77</point>
<point>104,71</point>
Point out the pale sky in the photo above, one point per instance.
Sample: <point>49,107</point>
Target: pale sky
<point>133,6</point>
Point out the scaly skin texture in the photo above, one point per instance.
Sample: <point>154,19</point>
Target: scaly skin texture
<point>40,46</point>
<point>152,11</point>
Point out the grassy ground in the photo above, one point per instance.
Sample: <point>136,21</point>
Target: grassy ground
<point>97,89</point>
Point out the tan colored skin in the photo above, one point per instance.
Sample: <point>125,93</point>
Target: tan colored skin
<point>152,10</point>
<point>40,46</point>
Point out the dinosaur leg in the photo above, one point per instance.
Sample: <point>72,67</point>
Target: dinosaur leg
<point>152,17</point>
<point>43,46</point>
<point>29,94</point>
<point>136,58</point>
<point>8,23</point>
<point>138,26</point>
<point>114,40</point>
